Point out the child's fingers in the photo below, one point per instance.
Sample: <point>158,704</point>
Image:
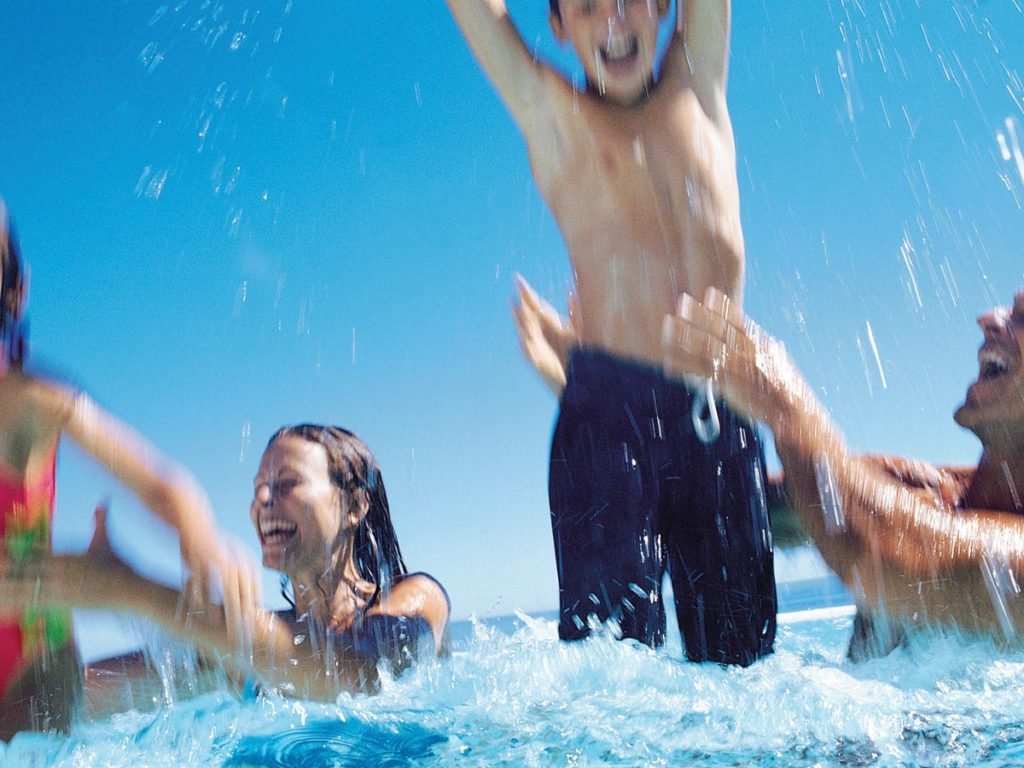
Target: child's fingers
<point>249,602</point>
<point>527,295</point>
<point>248,593</point>
<point>100,542</point>
<point>526,326</point>
<point>232,605</point>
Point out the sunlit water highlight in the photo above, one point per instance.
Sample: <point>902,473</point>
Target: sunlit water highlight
<point>513,695</point>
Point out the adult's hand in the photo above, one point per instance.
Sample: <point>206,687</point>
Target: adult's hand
<point>749,369</point>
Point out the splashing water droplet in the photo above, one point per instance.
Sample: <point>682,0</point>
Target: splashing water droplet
<point>1002,587</point>
<point>828,494</point>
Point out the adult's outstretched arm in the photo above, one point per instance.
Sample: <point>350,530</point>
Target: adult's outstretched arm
<point>898,548</point>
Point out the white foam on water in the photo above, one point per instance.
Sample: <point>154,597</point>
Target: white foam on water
<point>520,697</point>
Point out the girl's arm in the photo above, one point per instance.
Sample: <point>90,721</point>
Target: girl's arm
<point>266,648</point>
<point>165,487</point>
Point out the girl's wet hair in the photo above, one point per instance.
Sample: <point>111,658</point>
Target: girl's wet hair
<point>354,471</point>
<point>12,328</point>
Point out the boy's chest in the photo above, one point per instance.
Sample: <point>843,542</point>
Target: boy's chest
<point>665,164</point>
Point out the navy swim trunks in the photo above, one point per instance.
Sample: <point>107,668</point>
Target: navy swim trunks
<point>634,492</point>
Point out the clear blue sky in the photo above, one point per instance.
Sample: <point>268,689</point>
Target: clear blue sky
<point>241,216</point>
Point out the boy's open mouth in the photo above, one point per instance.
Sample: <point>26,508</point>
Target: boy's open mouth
<point>620,50</point>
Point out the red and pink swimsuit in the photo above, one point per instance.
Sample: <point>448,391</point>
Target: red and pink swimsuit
<point>26,512</point>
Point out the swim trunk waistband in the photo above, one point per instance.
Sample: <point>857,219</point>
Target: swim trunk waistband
<point>606,374</point>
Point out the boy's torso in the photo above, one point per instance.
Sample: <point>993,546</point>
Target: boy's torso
<point>646,198</point>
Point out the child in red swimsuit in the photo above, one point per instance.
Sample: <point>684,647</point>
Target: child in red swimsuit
<point>40,676</point>
<point>26,511</point>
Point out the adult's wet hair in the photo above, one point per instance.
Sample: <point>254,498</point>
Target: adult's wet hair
<point>354,470</point>
<point>12,328</point>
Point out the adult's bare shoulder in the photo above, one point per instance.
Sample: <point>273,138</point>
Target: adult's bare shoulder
<point>422,596</point>
<point>943,484</point>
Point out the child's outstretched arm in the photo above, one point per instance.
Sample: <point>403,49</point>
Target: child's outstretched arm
<point>699,52</point>
<point>522,81</point>
<point>98,579</point>
<point>166,488</point>
<point>267,647</point>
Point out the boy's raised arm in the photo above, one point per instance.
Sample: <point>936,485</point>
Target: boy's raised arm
<point>700,50</point>
<point>497,45</point>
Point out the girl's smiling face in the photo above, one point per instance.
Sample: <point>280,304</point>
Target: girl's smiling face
<point>297,510</point>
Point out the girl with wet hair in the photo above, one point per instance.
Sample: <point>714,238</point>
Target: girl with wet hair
<point>321,513</point>
<point>40,676</point>
<point>353,469</point>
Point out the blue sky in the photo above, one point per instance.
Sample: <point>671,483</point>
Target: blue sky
<point>239,216</point>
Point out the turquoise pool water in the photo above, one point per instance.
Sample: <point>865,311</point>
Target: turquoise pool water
<point>513,695</point>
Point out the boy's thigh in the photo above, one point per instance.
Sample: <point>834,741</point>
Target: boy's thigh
<point>604,523</point>
<point>718,545</point>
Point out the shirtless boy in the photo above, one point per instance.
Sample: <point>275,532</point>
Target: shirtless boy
<point>639,170</point>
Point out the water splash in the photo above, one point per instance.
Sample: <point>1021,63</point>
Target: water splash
<point>1003,588</point>
<point>829,496</point>
<point>512,694</point>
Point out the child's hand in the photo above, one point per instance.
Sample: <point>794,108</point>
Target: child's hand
<point>210,559</point>
<point>42,579</point>
<point>544,336</point>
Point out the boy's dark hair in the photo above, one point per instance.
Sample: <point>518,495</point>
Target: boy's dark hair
<point>558,11</point>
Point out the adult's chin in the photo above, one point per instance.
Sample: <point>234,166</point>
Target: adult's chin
<point>974,418</point>
<point>962,415</point>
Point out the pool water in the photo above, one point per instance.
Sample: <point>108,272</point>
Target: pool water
<point>513,695</point>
